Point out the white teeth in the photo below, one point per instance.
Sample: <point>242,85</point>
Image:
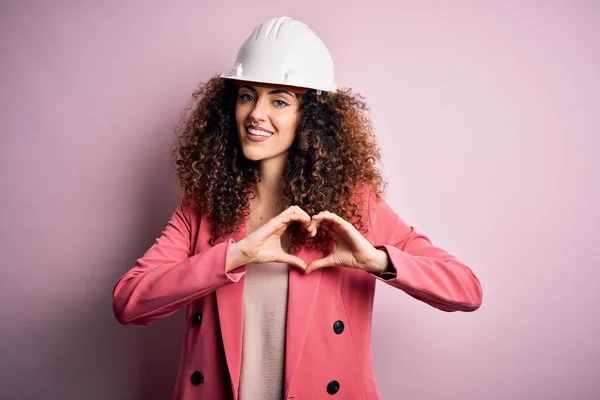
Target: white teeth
<point>258,132</point>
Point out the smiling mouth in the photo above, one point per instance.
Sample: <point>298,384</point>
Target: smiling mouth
<point>258,132</point>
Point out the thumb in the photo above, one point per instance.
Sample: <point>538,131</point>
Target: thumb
<point>320,263</point>
<point>292,260</point>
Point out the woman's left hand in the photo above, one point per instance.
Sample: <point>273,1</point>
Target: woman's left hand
<point>350,248</point>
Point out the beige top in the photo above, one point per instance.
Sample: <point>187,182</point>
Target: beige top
<point>263,347</point>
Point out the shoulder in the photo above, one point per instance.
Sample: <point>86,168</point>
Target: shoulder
<point>367,196</point>
<point>367,199</point>
<point>381,218</point>
<point>189,211</point>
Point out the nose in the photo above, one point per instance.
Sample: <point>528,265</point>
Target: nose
<point>259,111</point>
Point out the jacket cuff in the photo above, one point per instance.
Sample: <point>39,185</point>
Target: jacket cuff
<point>390,271</point>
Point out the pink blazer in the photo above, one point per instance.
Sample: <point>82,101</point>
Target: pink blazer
<point>328,342</point>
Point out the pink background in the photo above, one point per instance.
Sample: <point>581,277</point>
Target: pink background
<point>487,114</point>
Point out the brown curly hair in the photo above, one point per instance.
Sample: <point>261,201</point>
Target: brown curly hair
<point>333,153</point>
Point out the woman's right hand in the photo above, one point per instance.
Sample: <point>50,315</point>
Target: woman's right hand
<point>264,244</point>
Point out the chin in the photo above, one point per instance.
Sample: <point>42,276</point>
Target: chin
<point>253,155</point>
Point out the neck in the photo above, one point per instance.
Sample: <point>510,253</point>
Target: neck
<point>268,190</point>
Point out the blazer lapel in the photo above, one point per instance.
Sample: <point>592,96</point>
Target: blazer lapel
<point>302,295</point>
<point>230,304</point>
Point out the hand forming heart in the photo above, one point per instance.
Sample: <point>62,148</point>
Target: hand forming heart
<point>350,248</point>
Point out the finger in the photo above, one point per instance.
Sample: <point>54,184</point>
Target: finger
<point>332,220</point>
<point>282,221</point>
<point>324,226</point>
<point>278,225</point>
<point>306,218</point>
<point>287,219</point>
<point>295,212</point>
<point>312,228</point>
<point>292,260</point>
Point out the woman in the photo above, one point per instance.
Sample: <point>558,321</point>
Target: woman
<point>281,234</point>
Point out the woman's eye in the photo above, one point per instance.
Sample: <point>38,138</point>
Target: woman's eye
<point>246,97</point>
<point>280,103</point>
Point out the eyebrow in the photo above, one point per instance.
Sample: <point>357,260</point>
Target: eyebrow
<point>274,91</point>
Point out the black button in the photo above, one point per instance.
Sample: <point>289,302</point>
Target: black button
<point>333,387</point>
<point>198,378</point>
<point>338,327</point>
<point>197,318</point>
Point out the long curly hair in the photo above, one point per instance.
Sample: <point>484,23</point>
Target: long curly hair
<point>333,153</point>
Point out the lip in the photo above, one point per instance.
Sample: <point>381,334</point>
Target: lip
<point>258,128</point>
<point>257,138</point>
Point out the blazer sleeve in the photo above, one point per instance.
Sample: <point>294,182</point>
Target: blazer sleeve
<point>167,278</point>
<point>422,270</point>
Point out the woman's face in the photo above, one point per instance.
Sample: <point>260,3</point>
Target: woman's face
<point>267,117</point>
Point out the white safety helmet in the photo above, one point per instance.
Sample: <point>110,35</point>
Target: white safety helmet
<point>284,51</point>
